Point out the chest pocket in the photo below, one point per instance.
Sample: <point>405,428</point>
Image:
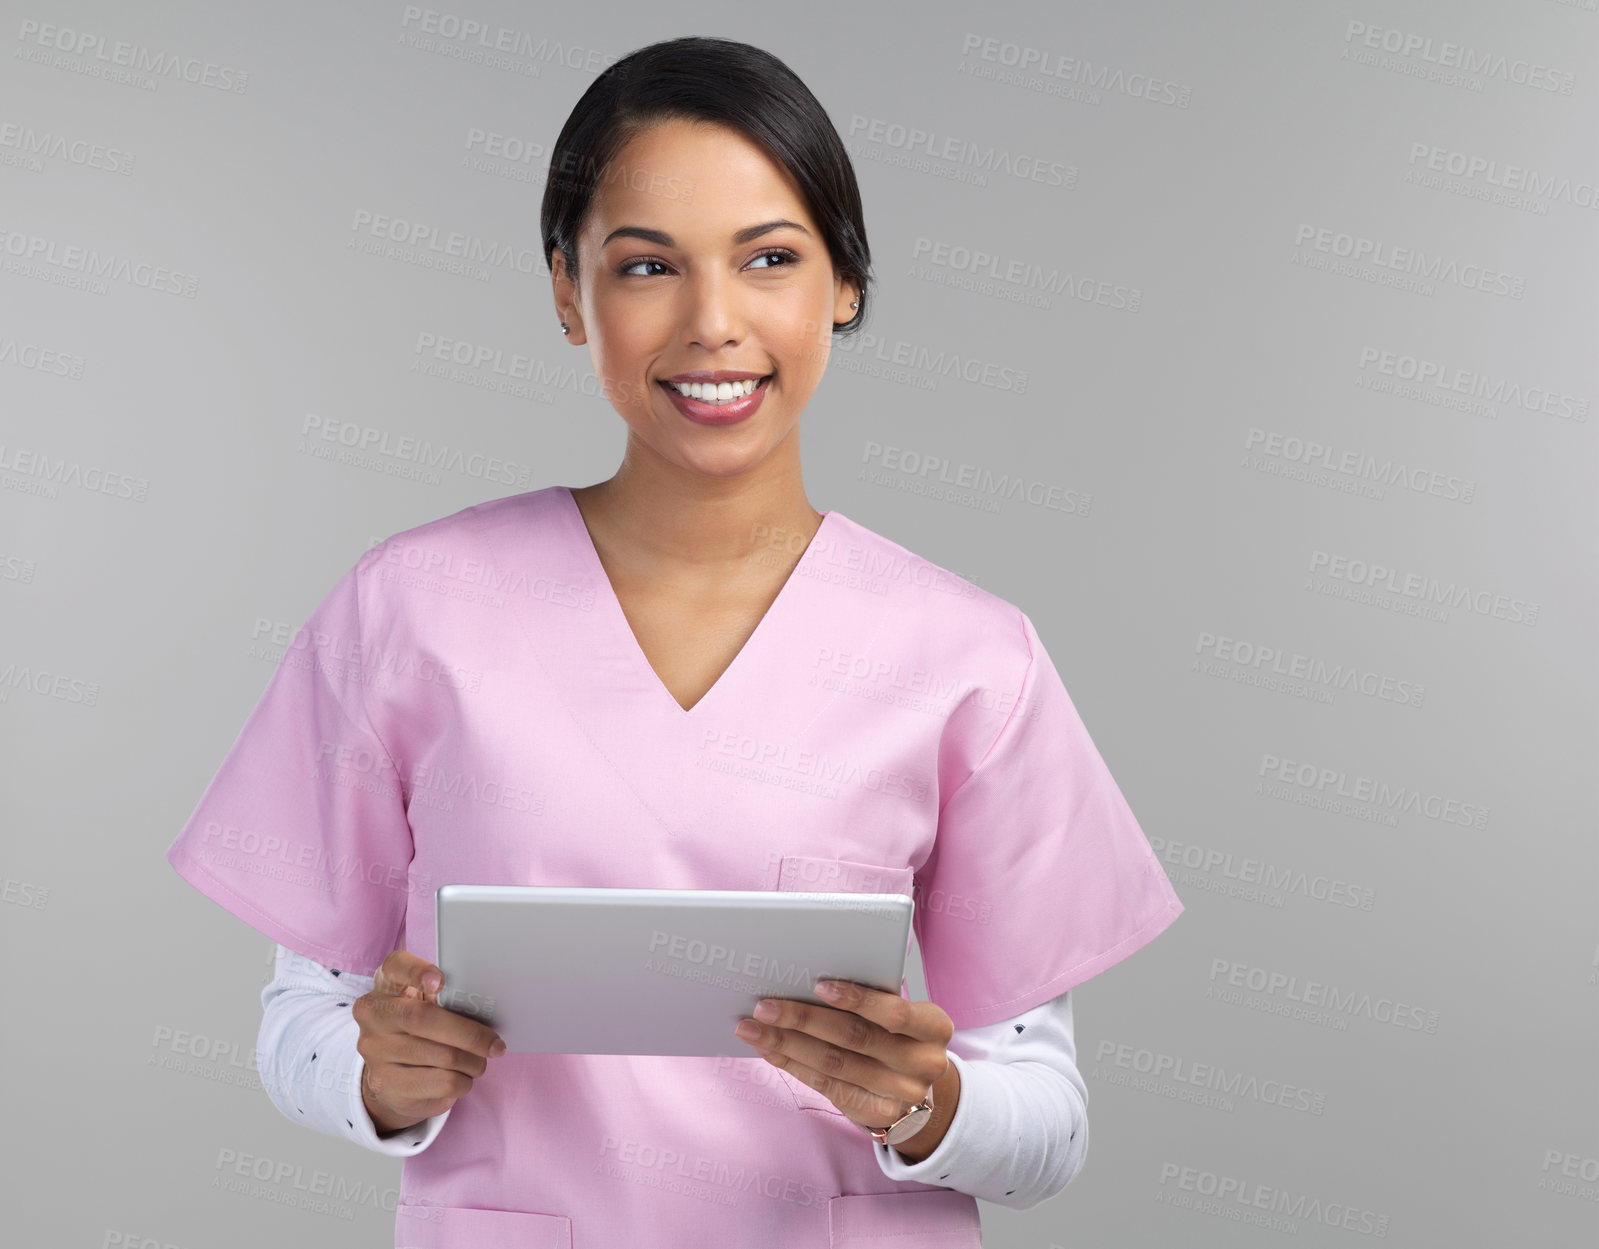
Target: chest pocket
<point>422,1225</point>
<point>803,873</point>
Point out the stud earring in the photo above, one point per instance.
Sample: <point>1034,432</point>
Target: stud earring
<point>565,329</point>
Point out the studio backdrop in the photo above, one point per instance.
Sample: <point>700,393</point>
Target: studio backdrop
<point>1248,347</point>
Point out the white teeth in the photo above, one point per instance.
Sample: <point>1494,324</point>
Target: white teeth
<point>721,392</point>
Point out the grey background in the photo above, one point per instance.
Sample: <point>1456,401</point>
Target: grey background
<point>133,1001</point>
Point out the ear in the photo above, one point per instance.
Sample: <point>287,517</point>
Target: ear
<point>566,301</point>
<point>843,292</point>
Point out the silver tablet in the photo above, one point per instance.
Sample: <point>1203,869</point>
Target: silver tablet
<point>653,971</point>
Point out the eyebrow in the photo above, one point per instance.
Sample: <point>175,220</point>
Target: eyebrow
<point>663,239</point>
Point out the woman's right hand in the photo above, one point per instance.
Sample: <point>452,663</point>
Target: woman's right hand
<point>420,1058</point>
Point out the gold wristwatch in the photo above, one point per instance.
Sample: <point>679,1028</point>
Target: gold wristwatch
<point>907,1125</point>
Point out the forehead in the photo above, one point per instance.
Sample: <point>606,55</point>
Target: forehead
<point>697,181</point>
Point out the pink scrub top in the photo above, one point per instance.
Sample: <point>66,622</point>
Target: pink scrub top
<point>468,704</point>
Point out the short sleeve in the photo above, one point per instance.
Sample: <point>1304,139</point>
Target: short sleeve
<point>302,832</point>
<point>1039,877</point>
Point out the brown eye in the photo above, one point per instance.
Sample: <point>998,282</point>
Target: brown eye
<point>781,253</point>
<point>626,267</point>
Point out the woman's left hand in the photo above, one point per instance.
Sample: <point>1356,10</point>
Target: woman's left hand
<point>872,1054</point>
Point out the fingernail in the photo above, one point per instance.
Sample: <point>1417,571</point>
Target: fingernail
<point>497,1048</point>
<point>826,989</point>
<point>431,981</point>
<point>746,1031</point>
<point>766,1011</point>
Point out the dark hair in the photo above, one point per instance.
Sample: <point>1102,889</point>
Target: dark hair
<point>708,79</point>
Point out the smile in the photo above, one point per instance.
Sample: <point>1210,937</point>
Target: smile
<point>716,393</point>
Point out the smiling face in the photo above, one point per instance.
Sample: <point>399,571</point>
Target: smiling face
<point>673,283</point>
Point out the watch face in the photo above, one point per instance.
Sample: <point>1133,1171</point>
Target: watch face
<point>909,1126</point>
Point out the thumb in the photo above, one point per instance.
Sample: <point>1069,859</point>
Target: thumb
<point>404,974</point>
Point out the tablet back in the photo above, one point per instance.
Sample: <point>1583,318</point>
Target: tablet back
<point>653,971</point>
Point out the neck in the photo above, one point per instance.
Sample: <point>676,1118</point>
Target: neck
<point>669,521</point>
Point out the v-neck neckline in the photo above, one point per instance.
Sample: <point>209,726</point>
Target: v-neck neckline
<point>607,592</point>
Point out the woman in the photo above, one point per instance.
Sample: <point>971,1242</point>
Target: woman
<point>683,677</point>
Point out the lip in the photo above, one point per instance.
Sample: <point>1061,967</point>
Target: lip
<point>717,375</point>
<point>721,413</point>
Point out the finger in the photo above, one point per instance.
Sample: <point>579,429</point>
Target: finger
<point>865,1020</point>
<point>860,1105</point>
<point>900,1069</point>
<point>406,1015</point>
<point>780,1019</point>
<point>408,1050</point>
<point>422,1091</point>
<point>436,1023</point>
<point>402,970</point>
<point>925,1021</point>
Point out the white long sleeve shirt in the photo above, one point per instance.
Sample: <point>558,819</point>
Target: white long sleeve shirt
<point>1018,1136</point>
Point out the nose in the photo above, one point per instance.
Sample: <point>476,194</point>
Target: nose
<point>712,316</point>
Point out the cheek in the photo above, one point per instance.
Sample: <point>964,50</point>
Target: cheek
<point>803,342</point>
<point>620,349</point>
<point>796,324</point>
